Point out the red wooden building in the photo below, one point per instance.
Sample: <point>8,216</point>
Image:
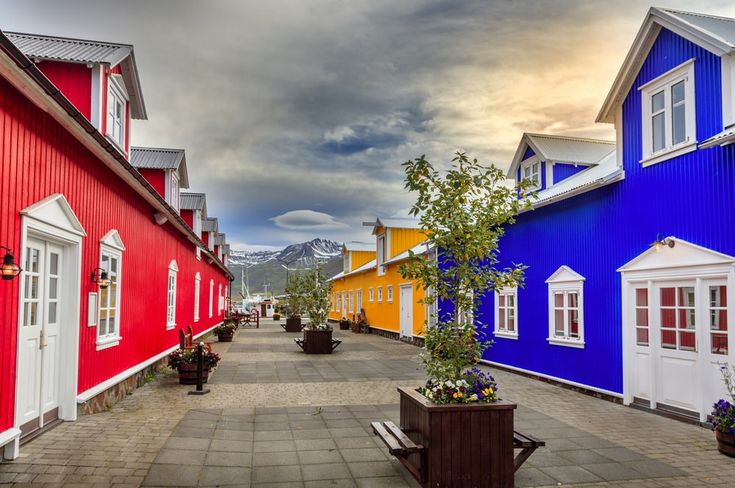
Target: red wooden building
<point>74,211</point>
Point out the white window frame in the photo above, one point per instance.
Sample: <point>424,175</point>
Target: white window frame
<point>380,256</point>
<point>173,271</point>
<point>371,294</point>
<point>116,94</point>
<point>431,310</point>
<point>566,281</point>
<point>220,300</point>
<point>111,246</point>
<point>506,293</point>
<point>359,300</point>
<point>352,301</point>
<point>531,163</point>
<point>338,302</point>
<point>683,72</point>
<point>197,295</point>
<point>380,294</point>
<point>211,298</point>
<point>389,293</point>
<point>174,190</point>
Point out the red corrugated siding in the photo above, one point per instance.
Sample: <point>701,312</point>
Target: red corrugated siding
<point>157,179</point>
<point>188,216</point>
<point>37,158</point>
<point>75,82</point>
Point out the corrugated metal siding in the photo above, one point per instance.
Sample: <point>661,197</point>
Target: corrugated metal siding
<point>74,81</point>
<point>563,171</point>
<point>360,258</point>
<point>157,179</point>
<point>690,197</point>
<point>76,50</point>
<point>402,239</point>
<point>37,158</point>
<point>529,152</point>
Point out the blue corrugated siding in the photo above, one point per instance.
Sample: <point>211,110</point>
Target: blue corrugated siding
<point>562,171</point>
<point>690,197</point>
<point>529,152</point>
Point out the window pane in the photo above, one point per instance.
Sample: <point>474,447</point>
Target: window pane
<point>668,339</point>
<point>641,336</point>
<point>718,296</point>
<point>718,320</point>
<point>686,341</point>
<point>501,319</point>
<point>102,327</point>
<point>658,132</point>
<point>501,301</point>
<point>573,323</point>
<point>657,102</point>
<point>678,124</point>
<point>719,344</point>
<point>677,92</point>
<point>668,297</point>
<point>686,319</point>
<point>511,320</point>
<point>34,314</point>
<point>686,296</point>
<point>641,297</point>
<point>573,300</point>
<point>559,322</point>
<point>668,318</point>
<point>54,264</point>
<point>511,300</point>
<point>558,300</point>
<point>111,326</point>
<point>53,288</point>
<point>641,317</point>
<point>52,312</point>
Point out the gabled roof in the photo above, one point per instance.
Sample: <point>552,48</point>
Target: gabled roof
<point>220,239</point>
<point>724,138</point>
<point>161,158</point>
<point>565,149</point>
<point>716,34</point>
<point>70,50</point>
<point>193,201</point>
<point>394,223</point>
<point>210,225</point>
<point>359,246</point>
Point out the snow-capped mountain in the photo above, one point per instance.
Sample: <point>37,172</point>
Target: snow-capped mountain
<point>308,251</point>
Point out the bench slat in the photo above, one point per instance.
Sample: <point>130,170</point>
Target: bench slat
<point>393,446</point>
<point>398,434</point>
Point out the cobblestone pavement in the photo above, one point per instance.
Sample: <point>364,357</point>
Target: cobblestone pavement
<point>277,418</point>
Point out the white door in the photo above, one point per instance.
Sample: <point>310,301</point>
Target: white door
<point>38,359</point>
<point>718,340</point>
<point>677,372</point>
<point>406,311</point>
<point>344,304</point>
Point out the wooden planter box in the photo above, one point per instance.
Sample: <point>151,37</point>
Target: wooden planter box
<point>293,325</point>
<point>355,327</point>
<point>318,341</point>
<point>344,325</point>
<point>225,336</point>
<point>465,445</point>
<point>188,374</point>
<point>725,443</point>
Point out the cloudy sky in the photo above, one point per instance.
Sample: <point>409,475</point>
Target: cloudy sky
<point>297,114</point>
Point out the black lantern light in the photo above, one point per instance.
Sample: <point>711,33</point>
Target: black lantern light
<point>101,278</point>
<point>9,269</point>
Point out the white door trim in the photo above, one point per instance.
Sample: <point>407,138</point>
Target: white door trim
<point>53,220</point>
<point>401,289</point>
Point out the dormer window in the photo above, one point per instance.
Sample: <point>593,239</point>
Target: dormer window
<point>668,115</point>
<point>381,254</point>
<point>174,196</point>
<point>116,100</point>
<point>532,171</point>
<point>346,265</point>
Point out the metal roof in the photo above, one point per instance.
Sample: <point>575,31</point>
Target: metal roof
<point>563,149</point>
<point>724,138</point>
<point>220,239</point>
<point>360,246</point>
<point>193,201</point>
<point>365,267</point>
<point>161,158</point>
<point>394,223</point>
<point>210,225</point>
<point>70,50</point>
<point>420,248</point>
<point>722,28</point>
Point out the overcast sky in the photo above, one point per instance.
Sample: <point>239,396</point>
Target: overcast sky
<point>296,115</point>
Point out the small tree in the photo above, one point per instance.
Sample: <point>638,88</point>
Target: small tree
<point>316,290</point>
<point>463,213</point>
<point>295,303</point>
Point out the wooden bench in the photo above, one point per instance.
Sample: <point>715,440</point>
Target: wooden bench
<point>527,444</point>
<point>400,446</point>
<point>186,340</point>
<point>252,318</point>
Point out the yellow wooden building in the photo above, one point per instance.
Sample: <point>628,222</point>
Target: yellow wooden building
<point>370,280</point>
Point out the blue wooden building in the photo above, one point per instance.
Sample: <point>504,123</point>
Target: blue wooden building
<point>630,247</point>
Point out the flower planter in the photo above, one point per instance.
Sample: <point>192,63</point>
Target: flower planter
<point>293,324</point>
<point>188,374</point>
<point>465,444</point>
<point>355,327</point>
<point>276,317</point>
<point>225,336</point>
<point>344,325</point>
<point>725,443</point>
<point>318,341</point>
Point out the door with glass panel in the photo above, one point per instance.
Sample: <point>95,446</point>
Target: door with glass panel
<point>718,338</point>
<point>676,321</point>
<point>38,352</point>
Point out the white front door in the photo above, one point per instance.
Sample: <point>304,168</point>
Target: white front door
<point>38,358</point>
<point>344,304</point>
<point>406,311</point>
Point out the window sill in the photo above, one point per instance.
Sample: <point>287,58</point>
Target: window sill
<point>170,326</point>
<point>556,341</point>
<point>672,153</point>
<point>506,335</point>
<point>108,342</point>
<point>196,319</point>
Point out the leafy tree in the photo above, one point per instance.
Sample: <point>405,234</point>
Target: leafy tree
<point>316,290</point>
<point>296,301</point>
<point>463,212</point>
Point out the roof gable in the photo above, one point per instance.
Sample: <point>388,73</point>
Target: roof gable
<point>683,254</point>
<point>393,223</point>
<point>161,158</point>
<point>84,51</point>
<point>193,201</point>
<point>55,210</point>
<point>564,274</point>
<point>113,239</point>
<point>715,34</point>
<point>567,149</point>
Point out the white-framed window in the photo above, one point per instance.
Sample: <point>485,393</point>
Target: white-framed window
<point>389,290</point>
<point>352,301</point>
<point>211,298</point>
<point>566,308</point>
<point>339,302</point>
<point>173,271</point>
<point>380,294</point>
<point>116,100</point>
<point>344,303</point>
<point>173,197</point>
<point>531,170</point>
<point>432,308</point>
<point>371,294</point>
<point>381,255</point>
<point>197,287</point>
<point>108,315</point>
<point>668,111</point>
<point>506,312</point>
<point>220,301</point>
<point>359,300</point>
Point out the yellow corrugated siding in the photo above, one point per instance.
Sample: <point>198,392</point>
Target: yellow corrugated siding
<point>403,239</point>
<point>360,258</point>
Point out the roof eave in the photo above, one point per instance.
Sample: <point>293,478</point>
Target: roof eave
<point>613,177</point>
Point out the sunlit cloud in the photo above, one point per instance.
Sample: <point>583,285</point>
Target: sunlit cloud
<point>307,220</point>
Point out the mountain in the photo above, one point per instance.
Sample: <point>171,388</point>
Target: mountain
<point>267,267</point>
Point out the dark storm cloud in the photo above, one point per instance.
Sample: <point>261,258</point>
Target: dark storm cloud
<point>311,106</point>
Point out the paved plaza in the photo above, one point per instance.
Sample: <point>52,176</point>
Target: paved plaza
<point>276,417</point>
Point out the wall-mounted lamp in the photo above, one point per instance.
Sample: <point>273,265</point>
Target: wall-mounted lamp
<point>9,269</point>
<point>659,243</point>
<point>101,278</point>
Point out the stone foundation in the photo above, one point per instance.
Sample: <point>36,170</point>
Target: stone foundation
<point>106,399</point>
